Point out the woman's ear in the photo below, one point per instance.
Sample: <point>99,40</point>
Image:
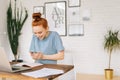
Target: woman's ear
<point>47,29</point>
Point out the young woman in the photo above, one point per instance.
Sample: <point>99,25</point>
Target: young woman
<point>46,46</point>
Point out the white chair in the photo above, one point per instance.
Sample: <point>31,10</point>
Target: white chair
<point>71,75</point>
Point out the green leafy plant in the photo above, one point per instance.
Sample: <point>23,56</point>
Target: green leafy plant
<point>112,42</point>
<point>15,22</point>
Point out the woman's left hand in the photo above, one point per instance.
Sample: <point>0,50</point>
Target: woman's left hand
<point>37,55</point>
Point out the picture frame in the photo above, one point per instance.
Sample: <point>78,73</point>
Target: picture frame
<point>74,15</point>
<point>55,13</point>
<point>76,29</point>
<point>37,9</point>
<point>74,3</point>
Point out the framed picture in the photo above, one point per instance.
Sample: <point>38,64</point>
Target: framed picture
<point>74,3</point>
<point>37,9</point>
<point>55,13</point>
<point>76,30</point>
<point>74,15</point>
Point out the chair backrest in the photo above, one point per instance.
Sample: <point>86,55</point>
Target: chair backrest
<point>71,75</point>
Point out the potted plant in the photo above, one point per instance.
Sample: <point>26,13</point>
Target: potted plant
<point>112,42</point>
<point>15,22</point>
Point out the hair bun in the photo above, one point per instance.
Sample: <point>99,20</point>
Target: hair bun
<point>36,16</point>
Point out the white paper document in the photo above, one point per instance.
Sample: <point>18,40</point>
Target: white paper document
<point>43,72</point>
<point>28,64</point>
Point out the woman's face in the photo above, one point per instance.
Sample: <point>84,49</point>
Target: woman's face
<point>40,32</point>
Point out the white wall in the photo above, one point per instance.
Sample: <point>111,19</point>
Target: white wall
<point>2,20</point>
<point>88,52</point>
<point>3,26</point>
<point>90,56</point>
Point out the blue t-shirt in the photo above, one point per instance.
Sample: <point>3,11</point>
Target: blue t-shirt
<point>48,46</point>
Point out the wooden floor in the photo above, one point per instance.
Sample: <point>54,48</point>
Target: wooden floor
<point>93,77</point>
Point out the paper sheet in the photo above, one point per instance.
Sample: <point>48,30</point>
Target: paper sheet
<point>43,72</point>
<point>28,64</point>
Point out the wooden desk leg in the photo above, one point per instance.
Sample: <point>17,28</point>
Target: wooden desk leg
<point>3,78</point>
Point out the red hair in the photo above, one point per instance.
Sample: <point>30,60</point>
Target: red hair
<point>38,21</point>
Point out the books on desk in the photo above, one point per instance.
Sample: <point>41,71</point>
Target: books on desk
<point>44,72</point>
<point>26,64</point>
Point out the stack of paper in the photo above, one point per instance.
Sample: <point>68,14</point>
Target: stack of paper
<point>43,72</point>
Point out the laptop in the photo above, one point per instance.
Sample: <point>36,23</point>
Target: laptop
<point>6,66</point>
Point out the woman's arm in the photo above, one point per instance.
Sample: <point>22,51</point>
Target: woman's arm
<point>58,56</point>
